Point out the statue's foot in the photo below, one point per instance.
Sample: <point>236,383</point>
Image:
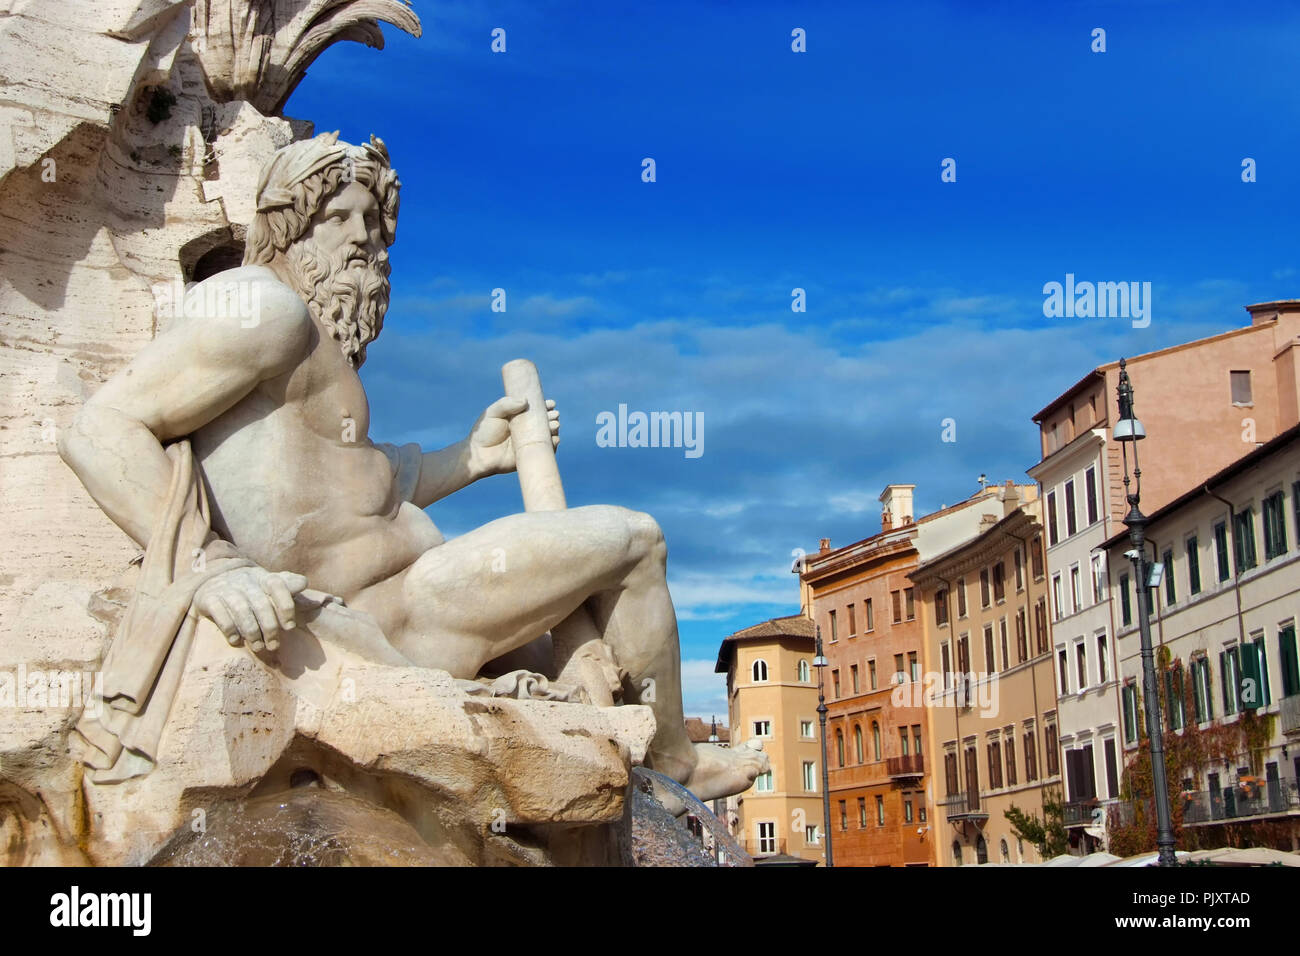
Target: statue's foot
<point>723,771</point>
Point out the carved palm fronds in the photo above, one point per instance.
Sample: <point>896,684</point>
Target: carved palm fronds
<point>258,50</point>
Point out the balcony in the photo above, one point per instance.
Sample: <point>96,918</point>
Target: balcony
<point>1081,813</point>
<point>1250,797</point>
<point>962,807</point>
<point>906,767</point>
<point>1290,715</point>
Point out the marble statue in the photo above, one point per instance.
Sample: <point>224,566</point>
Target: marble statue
<point>235,449</point>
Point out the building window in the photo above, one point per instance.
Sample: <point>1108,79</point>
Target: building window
<point>1063,669</point>
<point>990,662</point>
<point>1286,653</point>
<point>875,738</point>
<point>1090,493</point>
<point>1002,635</point>
<point>1129,701</point>
<point>853,674</point>
<point>910,595</point>
<point>766,837</point>
<point>1076,590</point>
<point>1230,669</point>
<point>1174,696</point>
<point>956,853</point>
<point>806,729</point>
<point>913,665</point>
<point>853,621</point>
<point>963,654</point>
<point>1010,742</point>
<point>995,764</point>
<point>1036,557</point>
<point>1125,601</point>
<point>844,815</point>
<point>961,597</point>
<point>763,782</point>
<point>871,672</point>
<point>916,739</point>
<point>1221,550</point>
<point>902,740</point>
<point>862,813</point>
<point>760,671</point>
<point>907,808</point>
<point>871,616</point>
<point>835,683</point>
<point>1098,579</point>
<point>1202,695</point>
<point>981,851</point>
<point>899,676</point>
<point>1167,559</point>
<point>940,607</point>
<point>805,672</point>
<point>897,598</point>
<point>1053,759</point>
<point>811,836</point>
<point>880,810</point>
<point>857,744</point>
<point>835,631</point>
<point>1254,665</point>
<point>1040,626</point>
<point>1101,658</point>
<point>1081,661</point>
<point>1020,570</point>
<point>1031,756</point>
<point>1056,596</point>
<point>1193,567</point>
<point>1243,539</point>
<point>1022,638</point>
<point>1240,386</point>
<point>999,582</point>
<point>1274,526</point>
<point>945,665</point>
<point>1052,536</point>
<point>1070,523</point>
<point>984,587</point>
<point>839,746</point>
<point>810,776</point>
<point>762,728</point>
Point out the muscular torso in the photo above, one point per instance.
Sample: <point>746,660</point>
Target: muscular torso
<point>295,483</point>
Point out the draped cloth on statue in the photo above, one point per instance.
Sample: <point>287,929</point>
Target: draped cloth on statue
<point>142,671</point>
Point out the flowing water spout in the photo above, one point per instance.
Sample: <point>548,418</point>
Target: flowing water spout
<point>661,839</point>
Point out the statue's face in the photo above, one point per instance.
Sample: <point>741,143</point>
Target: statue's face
<point>340,269</point>
<point>348,220</point>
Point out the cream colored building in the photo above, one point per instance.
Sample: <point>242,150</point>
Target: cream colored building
<point>772,695</point>
<point>988,683</point>
<point>1223,625</point>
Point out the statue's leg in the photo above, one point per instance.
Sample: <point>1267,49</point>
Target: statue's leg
<point>496,588</point>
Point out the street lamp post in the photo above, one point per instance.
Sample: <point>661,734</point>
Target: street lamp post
<point>819,662</point>
<point>1129,431</point>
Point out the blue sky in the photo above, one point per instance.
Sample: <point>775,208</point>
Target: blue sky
<point>819,170</point>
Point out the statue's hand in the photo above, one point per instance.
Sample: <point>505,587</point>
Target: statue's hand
<point>252,605</point>
<point>491,451</point>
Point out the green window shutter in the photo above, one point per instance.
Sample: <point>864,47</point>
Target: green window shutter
<point>1251,693</point>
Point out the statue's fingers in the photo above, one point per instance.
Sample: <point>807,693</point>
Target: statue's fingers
<point>294,582</point>
<point>506,407</point>
<point>550,403</point>
<point>245,619</point>
<point>217,611</point>
<point>555,424</point>
<point>264,611</point>
<point>281,600</point>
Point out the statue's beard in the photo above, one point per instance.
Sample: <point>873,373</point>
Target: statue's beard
<point>348,298</point>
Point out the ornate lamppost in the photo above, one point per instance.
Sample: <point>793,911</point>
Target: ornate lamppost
<point>1129,431</point>
<point>819,662</point>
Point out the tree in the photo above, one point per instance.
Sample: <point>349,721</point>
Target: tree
<point>1048,834</point>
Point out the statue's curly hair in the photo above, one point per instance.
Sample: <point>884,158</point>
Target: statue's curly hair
<point>274,230</point>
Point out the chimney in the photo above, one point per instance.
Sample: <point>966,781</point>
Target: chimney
<point>896,501</point>
<point>1010,497</point>
<point>823,545</point>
